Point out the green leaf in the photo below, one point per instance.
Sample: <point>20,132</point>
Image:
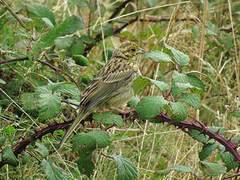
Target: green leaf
<point>158,56</point>
<point>178,168</point>
<point>69,26</point>
<point>195,134</point>
<point>2,140</point>
<point>181,58</point>
<point>206,151</point>
<point>102,138</point>
<point>190,98</point>
<point>150,107</point>
<point>79,3</point>
<point>77,48</point>
<point>140,83</point>
<point>108,118</point>
<point>133,102</point>
<point>9,130</point>
<point>84,144</point>
<point>53,172</point>
<point>236,113</point>
<point>40,11</point>
<point>63,42</point>
<point>228,160</point>
<point>213,169</point>
<point>81,60</point>
<point>126,170</point>
<point>2,81</point>
<point>163,86</point>
<point>178,111</point>
<point>85,164</point>
<point>212,29</point>
<point>48,23</point>
<point>49,104</point>
<point>29,101</point>
<point>9,157</point>
<point>42,149</point>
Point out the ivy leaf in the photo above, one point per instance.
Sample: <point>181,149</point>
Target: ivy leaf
<point>213,169</point>
<point>207,150</point>
<point>158,56</point>
<point>42,149</point>
<point>181,58</point>
<point>108,118</point>
<point>126,170</point>
<point>53,172</point>
<point>190,98</point>
<point>150,107</point>
<point>102,138</point>
<point>178,111</point>
<point>9,157</point>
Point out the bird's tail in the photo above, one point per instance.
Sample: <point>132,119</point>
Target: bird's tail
<point>76,122</point>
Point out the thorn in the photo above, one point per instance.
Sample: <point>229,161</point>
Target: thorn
<point>218,132</point>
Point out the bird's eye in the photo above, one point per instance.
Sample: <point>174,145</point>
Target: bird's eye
<point>133,50</point>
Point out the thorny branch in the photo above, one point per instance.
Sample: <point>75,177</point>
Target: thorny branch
<point>185,126</point>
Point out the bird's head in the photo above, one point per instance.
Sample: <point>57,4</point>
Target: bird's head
<point>128,50</point>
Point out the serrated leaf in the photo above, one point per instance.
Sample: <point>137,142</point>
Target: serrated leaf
<point>178,111</point>
<point>206,151</point>
<point>102,138</point>
<point>228,160</point>
<point>150,107</point>
<point>66,87</point>
<point>126,170</point>
<point>190,98</point>
<point>213,169</point>
<point>212,29</point>
<point>9,157</point>
<point>84,144</point>
<point>181,58</point>
<point>108,118</point>
<point>2,140</point>
<point>40,11</point>
<point>53,172</point>
<point>158,56</point>
<point>195,134</point>
<point>42,149</point>
<point>140,83</point>
<point>183,169</point>
<point>63,42</point>
<point>29,101</point>
<point>163,86</point>
<point>69,26</point>
<point>85,165</point>
<point>49,104</point>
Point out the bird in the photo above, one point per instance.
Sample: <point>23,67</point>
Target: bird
<point>112,85</point>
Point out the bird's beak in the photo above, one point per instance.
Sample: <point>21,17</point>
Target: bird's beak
<point>141,51</point>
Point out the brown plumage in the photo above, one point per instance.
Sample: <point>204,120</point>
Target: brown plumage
<point>112,85</point>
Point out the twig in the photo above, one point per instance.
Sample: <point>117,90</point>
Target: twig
<point>13,60</point>
<point>14,14</point>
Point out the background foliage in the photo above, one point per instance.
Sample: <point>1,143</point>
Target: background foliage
<point>50,51</point>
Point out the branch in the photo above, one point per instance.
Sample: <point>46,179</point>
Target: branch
<point>14,14</point>
<point>185,126</point>
<point>13,60</point>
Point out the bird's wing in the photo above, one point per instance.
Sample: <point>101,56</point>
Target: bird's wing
<point>101,89</point>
